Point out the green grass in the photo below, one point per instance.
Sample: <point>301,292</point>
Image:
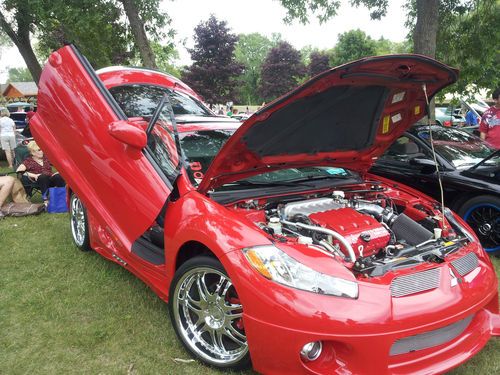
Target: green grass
<point>63,311</point>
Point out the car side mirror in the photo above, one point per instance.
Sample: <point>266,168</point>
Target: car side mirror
<point>129,132</point>
<point>422,162</point>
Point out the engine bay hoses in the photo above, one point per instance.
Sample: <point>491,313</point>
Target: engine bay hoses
<point>330,232</point>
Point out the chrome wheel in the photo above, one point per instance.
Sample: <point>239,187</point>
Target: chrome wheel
<point>207,315</point>
<point>78,221</point>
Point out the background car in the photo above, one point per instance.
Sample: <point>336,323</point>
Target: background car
<point>469,169</point>
<point>445,116</point>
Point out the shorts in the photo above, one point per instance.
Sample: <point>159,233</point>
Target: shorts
<point>8,142</point>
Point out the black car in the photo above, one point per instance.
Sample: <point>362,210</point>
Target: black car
<point>470,173</point>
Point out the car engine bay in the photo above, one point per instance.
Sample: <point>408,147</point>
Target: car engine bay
<point>371,228</point>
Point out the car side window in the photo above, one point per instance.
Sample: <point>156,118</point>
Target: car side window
<point>142,100</point>
<point>403,150</point>
<point>162,146</point>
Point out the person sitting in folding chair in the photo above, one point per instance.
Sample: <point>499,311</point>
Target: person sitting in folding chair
<point>38,170</point>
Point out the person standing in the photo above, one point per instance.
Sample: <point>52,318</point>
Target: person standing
<point>490,122</point>
<point>7,136</point>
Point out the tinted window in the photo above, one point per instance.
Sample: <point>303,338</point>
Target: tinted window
<point>200,147</point>
<point>458,147</point>
<point>403,150</point>
<point>142,100</point>
<point>161,143</point>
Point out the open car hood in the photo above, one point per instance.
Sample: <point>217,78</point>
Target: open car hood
<point>344,117</point>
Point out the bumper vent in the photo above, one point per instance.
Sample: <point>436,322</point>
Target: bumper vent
<point>466,264</point>
<point>415,283</point>
<point>431,338</point>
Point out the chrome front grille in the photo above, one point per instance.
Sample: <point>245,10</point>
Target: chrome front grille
<point>431,338</point>
<point>466,264</point>
<point>415,282</point>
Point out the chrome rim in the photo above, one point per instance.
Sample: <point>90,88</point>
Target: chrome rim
<point>77,221</point>
<point>208,313</point>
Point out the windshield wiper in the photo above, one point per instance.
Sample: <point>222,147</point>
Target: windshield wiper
<point>497,152</point>
<point>267,183</point>
<point>316,178</point>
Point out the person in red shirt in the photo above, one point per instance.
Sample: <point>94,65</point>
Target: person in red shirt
<point>38,168</point>
<point>490,122</point>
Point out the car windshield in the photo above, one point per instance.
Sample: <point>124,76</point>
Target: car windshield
<point>201,146</point>
<point>142,100</point>
<point>461,149</point>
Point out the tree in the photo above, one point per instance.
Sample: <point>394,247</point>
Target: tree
<point>215,71</point>
<point>353,45</point>
<point>250,51</point>
<point>19,75</point>
<point>145,17</point>
<point>319,62</point>
<point>95,27</point>
<point>385,47</point>
<point>425,11</point>
<point>17,21</point>
<point>281,71</point>
<point>468,39</point>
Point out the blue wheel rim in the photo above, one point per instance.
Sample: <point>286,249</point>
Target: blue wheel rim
<point>484,219</point>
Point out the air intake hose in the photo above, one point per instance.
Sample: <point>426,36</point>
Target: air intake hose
<point>409,230</point>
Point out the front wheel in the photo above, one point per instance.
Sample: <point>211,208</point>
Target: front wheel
<point>207,314</point>
<point>79,223</point>
<point>483,215</point>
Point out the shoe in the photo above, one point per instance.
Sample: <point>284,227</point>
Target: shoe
<point>2,215</point>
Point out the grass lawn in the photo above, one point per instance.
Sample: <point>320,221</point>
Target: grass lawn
<point>63,311</point>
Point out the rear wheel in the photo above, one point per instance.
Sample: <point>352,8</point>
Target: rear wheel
<point>207,314</point>
<point>483,215</point>
<point>79,223</point>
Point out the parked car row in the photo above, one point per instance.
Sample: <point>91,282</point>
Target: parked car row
<point>272,243</point>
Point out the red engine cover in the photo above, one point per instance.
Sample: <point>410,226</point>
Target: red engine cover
<point>351,224</point>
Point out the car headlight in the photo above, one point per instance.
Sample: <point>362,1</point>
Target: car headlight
<point>276,265</point>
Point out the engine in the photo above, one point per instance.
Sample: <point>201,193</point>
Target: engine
<point>367,233</point>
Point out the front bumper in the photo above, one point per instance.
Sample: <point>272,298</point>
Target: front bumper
<point>358,335</point>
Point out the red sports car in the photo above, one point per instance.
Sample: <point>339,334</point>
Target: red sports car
<point>270,241</point>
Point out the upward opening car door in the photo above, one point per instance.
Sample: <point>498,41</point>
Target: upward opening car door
<point>99,152</point>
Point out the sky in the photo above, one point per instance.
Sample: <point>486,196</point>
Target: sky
<point>265,17</point>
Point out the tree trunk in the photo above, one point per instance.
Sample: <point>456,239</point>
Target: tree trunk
<point>23,44</point>
<point>140,37</point>
<point>425,34</point>
<point>26,51</point>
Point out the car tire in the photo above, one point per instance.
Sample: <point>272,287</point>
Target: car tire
<point>207,314</point>
<point>79,223</point>
<point>483,215</point>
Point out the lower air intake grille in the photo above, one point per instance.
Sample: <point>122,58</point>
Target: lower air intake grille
<point>415,283</point>
<point>430,339</point>
<point>466,264</point>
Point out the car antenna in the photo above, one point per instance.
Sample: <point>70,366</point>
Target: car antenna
<point>424,87</point>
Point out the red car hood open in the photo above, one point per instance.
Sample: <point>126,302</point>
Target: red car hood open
<point>345,117</point>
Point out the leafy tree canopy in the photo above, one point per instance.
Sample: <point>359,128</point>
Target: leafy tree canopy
<point>281,71</point>
<point>215,71</point>
<point>353,45</point>
<point>250,51</point>
<point>319,62</point>
<point>469,39</point>
<point>96,27</point>
<point>19,75</point>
